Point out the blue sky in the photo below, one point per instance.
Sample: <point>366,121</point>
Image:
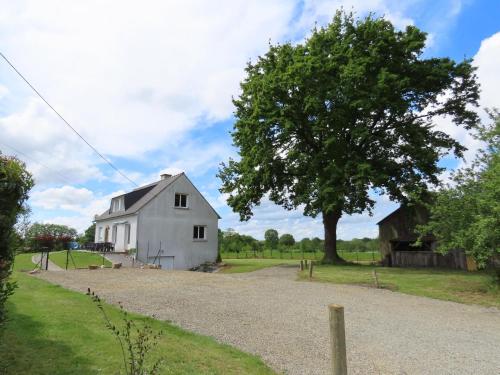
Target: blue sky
<point>151,88</point>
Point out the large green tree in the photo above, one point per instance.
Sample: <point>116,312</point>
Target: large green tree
<point>15,184</point>
<point>51,236</point>
<point>89,234</point>
<point>350,110</point>
<point>466,213</point>
<point>271,238</point>
<point>287,240</point>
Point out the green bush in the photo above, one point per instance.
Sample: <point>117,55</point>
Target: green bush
<point>15,183</point>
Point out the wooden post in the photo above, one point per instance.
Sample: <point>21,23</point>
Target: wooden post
<point>305,263</point>
<point>337,340</point>
<point>67,259</point>
<point>375,278</point>
<point>310,270</point>
<point>302,265</point>
<point>47,261</point>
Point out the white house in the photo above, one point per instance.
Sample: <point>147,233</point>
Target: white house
<point>169,222</point>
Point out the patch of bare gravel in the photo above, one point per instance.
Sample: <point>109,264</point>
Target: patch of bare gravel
<point>286,321</point>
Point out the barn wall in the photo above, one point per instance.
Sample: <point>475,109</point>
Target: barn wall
<point>400,225</point>
<point>455,259</point>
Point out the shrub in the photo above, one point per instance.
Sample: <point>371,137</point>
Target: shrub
<point>135,342</point>
<point>15,183</point>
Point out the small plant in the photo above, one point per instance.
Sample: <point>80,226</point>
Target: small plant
<point>135,342</point>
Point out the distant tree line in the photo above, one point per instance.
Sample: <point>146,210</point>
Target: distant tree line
<point>232,241</point>
<point>32,237</point>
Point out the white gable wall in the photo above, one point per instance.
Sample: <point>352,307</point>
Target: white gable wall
<point>159,221</point>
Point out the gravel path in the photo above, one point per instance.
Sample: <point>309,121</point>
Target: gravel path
<point>286,322</point>
<point>51,265</point>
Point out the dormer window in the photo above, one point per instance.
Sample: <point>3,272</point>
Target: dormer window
<point>181,200</point>
<point>117,204</point>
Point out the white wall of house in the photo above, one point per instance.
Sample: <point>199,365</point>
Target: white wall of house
<point>118,232</point>
<point>159,221</point>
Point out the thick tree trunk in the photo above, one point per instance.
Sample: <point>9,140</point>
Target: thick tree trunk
<point>330,221</point>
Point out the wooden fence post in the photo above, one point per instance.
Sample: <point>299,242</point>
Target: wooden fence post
<point>310,270</point>
<point>305,263</point>
<point>302,265</point>
<point>375,278</point>
<point>337,340</point>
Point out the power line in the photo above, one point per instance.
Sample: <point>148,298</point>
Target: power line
<point>64,120</point>
<point>61,176</point>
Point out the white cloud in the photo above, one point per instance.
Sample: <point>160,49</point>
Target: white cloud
<point>71,206</point>
<point>140,77</point>
<point>142,80</point>
<point>65,198</point>
<point>52,153</point>
<point>3,91</point>
<point>487,60</point>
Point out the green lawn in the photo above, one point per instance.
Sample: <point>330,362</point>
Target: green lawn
<point>249,265</point>
<point>56,331</point>
<point>450,285</point>
<point>360,256</point>
<point>82,259</point>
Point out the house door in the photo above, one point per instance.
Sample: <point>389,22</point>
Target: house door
<point>166,262</point>
<point>106,234</point>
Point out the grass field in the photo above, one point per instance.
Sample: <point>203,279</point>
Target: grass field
<point>353,256</point>
<point>249,265</point>
<point>449,285</point>
<point>56,331</point>
<point>82,259</point>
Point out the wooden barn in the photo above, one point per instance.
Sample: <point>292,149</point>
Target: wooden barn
<point>397,238</point>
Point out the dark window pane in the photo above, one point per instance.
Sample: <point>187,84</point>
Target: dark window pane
<point>183,200</point>
<point>177,198</point>
<point>195,232</point>
<point>201,233</point>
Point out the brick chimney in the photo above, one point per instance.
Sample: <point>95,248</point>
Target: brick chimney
<point>164,176</point>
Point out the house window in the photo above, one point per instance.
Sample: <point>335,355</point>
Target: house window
<point>114,233</point>
<point>117,204</point>
<point>199,232</point>
<point>99,234</point>
<point>127,228</point>
<point>181,200</point>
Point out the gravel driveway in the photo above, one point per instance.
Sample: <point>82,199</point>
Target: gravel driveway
<point>286,321</point>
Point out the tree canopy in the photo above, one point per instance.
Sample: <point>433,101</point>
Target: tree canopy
<point>287,240</point>
<point>271,238</point>
<point>50,235</point>
<point>89,234</point>
<point>15,184</point>
<point>466,214</point>
<point>351,110</point>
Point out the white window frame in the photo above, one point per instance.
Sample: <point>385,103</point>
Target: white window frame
<point>114,233</point>
<point>117,204</point>
<point>180,200</point>
<point>99,234</point>
<point>196,232</point>
<point>127,234</point>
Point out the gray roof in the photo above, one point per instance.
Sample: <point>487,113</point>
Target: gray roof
<point>157,189</point>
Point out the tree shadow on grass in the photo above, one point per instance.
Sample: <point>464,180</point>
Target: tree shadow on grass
<point>25,350</point>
